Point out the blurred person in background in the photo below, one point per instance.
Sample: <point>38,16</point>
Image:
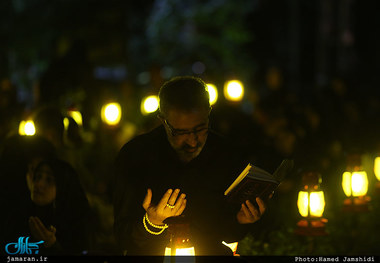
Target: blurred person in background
<point>42,198</point>
<point>10,108</point>
<point>15,155</point>
<point>49,122</point>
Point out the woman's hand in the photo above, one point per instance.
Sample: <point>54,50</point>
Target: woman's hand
<point>40,232</point>
<point>248,213</point>
<point>169,205</point>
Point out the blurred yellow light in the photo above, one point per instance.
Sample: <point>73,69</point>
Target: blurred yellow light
<point>315,203</point>
<point>188,251</point>
<point>213,93</point>
<point>149,104</point>
<point>359,183</point>
<point>376,168</point>
<point>111,113</point>
<point>355,183</point>
<point>66,123</point>
<point>21,128</point>
<point>234,90</point>
<point>77,116</point>
<point>303,203</point>
<point>27,128</point>
<point>346,183</point>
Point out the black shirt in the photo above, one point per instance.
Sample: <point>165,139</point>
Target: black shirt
<point>148,161</point>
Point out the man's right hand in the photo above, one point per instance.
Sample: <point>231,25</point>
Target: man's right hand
<point>169,205</point>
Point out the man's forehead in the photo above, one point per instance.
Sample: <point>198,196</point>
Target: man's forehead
<point>177,112</point>
<point>189,119</point>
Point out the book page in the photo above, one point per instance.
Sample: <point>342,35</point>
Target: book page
<point>261,174</point>
<point>238,179</point>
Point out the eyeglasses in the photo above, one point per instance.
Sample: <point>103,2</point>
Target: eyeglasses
<point>177,132</point>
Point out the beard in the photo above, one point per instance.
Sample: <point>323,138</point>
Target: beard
<point>187,153</point>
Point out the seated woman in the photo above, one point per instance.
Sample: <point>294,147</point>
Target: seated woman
<point>59,211</point>
<point>51,207</point>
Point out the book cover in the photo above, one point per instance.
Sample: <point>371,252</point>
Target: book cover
<point>255,182</point>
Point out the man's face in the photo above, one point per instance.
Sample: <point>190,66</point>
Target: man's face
<point>187,132</point>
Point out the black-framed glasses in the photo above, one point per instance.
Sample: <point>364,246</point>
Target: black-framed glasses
<point>177,132</point>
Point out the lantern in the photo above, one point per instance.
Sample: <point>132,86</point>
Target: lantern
<point>355,185</point>
<point>180,243</point>
<point>311,205</point>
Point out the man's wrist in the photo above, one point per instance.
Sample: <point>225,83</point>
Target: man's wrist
<point>146,219</point>
<point>154,223</point>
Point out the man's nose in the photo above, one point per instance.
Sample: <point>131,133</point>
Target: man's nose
<point>40,183</point>
<point>192,139</point>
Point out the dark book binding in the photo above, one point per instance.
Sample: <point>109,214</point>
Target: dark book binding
<point>255,182</point>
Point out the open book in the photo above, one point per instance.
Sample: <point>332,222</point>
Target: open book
<point>255,182</point>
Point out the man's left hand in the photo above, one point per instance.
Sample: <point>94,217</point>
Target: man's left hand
<point>248,213</point>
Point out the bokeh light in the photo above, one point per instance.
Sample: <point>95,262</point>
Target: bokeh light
<point>77,116</point>
<point>234,90</point>
<point>27,128</point>
<point>213,92</point>
<point>111,113</point>
<point>149,104</point>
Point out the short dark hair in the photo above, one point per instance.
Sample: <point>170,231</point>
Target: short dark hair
<point>184,93</point>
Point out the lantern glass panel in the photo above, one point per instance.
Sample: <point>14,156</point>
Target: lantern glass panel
<point>302,203</point>
<point>189,251</point>
<point>346,183</point>
<point>359,182</point>
<point>317,203</point>
<point>376,168</point>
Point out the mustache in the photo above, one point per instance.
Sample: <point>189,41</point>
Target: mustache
<point>188,147</point>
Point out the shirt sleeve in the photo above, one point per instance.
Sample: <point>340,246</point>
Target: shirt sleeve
<point>129,194</point>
